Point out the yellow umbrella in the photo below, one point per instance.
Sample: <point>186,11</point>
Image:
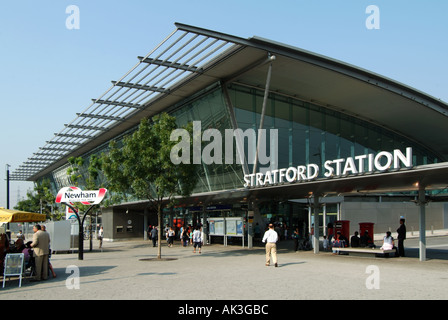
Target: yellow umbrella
<point>8,215</point>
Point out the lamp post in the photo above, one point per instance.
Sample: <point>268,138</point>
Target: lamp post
<point>7,186</point>
<point>7,195</point>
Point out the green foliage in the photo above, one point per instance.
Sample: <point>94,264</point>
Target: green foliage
<point>40,198</point>
<point>82,178</point>
<point>143,167</point>
<point>74,172</point>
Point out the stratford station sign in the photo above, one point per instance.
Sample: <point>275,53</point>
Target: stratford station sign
<point>358,165</point>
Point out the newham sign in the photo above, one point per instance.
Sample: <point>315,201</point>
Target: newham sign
<point>367,163</point>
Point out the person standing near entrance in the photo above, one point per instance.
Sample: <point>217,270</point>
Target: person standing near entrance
<point>401,237</point>
<point>270,238</point>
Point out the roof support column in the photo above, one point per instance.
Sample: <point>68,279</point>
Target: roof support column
<point>316,224</point>
<point>263,111</point>
<point>422,223</point>
<point>238,138</point>
<point>145,223</point>
<point>204,223</point>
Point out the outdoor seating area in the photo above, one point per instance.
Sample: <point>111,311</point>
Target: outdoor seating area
<point>16,256</point>
<point>17,268</point>
<point>363,251</point>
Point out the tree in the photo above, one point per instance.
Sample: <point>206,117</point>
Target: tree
<point>142,167</point>
<point>41,199</point>
<point>84,178</point>
<point>87,179</point>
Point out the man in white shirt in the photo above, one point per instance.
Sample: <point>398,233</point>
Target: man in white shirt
<point>197,239</point>
<point>270,238</point>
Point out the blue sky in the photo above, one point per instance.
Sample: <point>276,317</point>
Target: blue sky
<point>48,73</point>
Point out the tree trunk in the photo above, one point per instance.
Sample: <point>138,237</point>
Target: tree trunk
<point>159,234</point>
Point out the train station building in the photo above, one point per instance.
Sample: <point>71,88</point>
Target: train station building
<point>341,143</point>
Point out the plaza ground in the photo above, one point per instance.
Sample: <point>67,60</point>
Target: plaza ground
<point>126,270</point>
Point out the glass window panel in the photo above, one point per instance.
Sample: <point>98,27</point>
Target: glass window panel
<point>299,134</point>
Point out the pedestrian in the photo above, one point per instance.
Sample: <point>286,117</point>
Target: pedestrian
<point>181,231</point>
<point>330,231</point>
<point>154,235</point>
<point>167,228</point>
<point>197,239</point>
<point>40,244</point>
<point>401,237</point>
<point>44,229</point>
<point>388,242</point>
<point>20,235</point>
<point>100,237</point>
<point>148,232</point>
<point>191,235</point>
<point>270,238</point>
<point>366,241</point>
<point>285,231</point>
<point>171,235</point>
<point>326,244</point>
<point>185,237</point>
<point>295,237</point>
<point>355,240</point>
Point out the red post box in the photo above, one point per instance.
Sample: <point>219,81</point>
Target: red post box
<point>366,226</point>
<point>342,226</point>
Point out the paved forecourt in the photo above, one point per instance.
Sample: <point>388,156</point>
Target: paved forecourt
<point>125,270</point>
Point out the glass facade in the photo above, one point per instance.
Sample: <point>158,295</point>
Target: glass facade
<point>307,133</point>
<point>210,109</point>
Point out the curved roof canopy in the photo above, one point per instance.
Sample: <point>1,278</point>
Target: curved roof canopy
<point>191,58</point>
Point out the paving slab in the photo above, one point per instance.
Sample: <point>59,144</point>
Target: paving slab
<point>128,271</point>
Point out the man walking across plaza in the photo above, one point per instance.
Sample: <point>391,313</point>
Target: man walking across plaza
<point>154,236</point>
<point>270,238</point>
<point>40,244</point>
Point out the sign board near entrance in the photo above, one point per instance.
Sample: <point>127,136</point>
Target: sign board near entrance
<point>216,226</point>
<point>367,163</point>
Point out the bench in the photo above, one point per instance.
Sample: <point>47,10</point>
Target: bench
<point>361,251</point>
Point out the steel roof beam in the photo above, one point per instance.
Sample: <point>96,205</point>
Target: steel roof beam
<point>117,103</point>
<point>77,126</point>
<point>140,87</point>
<point>169,64</point>
<point>213,34</point>
<point>65,143</point>
<point>97,116</point>
<point>25,164</point>
<point>69,135</point>
<point>55,149</point>
<point>43,158</point>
